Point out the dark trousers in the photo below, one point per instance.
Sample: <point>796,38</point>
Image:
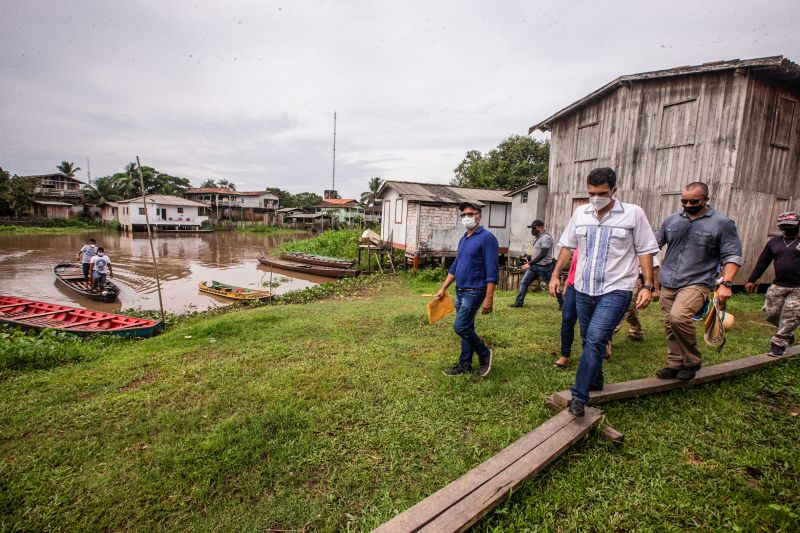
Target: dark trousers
<point>569,317</point>
<point>535,271</point>
<point>468,302</point>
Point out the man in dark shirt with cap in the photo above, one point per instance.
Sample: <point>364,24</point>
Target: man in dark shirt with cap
<point>782,306</point>
<point>538,264</point>
<point>475,272</point>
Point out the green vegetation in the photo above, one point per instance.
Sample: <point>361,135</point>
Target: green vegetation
<point>336,416</point>
<point>341,243</point>
<point>16,194</point>
<point>270,230</point>
<point>515,162</point>
<point>56,226</point>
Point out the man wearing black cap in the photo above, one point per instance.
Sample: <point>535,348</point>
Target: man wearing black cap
<point>538,264</point>
<point>782,306</point>
<point>475,272</point>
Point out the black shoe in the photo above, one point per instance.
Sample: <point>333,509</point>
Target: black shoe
<point>791,340</point>
<point>486,366</point>
<point>457,369</point>
<point>576,408</point>
<point>596,387</point>
<point>515,304</point>
<point>687,372</point>
<point>775,350</point>
<point>668,373</point>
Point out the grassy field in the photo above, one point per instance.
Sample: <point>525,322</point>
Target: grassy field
<point>50,230</point>
<point>335,416</point>
<point>269,230</point>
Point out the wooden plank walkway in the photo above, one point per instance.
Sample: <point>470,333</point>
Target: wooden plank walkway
<point>653,385</point>
<point>467,499</point>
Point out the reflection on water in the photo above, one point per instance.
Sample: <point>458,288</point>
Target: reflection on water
<point>26,267</point>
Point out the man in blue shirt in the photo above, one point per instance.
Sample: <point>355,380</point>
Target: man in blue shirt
<point>475,272</point>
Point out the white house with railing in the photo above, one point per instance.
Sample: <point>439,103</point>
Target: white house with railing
<point>166,213</point>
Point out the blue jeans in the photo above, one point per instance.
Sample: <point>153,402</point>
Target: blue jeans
<point>536,271</point>
<point>569,317</point>
<point>467,303</point>
<point>598,316</point>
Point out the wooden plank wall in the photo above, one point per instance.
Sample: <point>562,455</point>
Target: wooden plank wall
<point>659,135</point>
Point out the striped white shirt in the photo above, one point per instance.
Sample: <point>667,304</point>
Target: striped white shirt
<point>608,249</point>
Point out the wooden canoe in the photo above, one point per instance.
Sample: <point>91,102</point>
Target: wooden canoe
<point>315,270</point>
<point>35,314</point>
<point>318,260</point>
<point>233,292</point>
<point>71,276</point>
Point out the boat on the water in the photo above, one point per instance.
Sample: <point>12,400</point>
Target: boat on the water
<point>71,276</point>
<point>319,260</point>
<point>35,314</point>
<point>316,270</point>
<point>233,292</point>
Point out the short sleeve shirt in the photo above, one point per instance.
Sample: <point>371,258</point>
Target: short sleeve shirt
<point>101,264</point>
<point>543,242</point>
<point>88,251</point>
<point>608,249</point>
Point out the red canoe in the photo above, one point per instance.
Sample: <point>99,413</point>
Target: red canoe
<point>35,314</point>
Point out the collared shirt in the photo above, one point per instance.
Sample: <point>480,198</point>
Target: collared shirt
<point>696,248</point>
<point>476,261</point>
<point>608,249</point>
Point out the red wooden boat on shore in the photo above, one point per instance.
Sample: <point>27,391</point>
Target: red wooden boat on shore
<point>34,314</point>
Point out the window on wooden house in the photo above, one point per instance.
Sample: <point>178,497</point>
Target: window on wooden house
<point>141,210</point>
<point>678,124</point>
<point>523,198</point>
<point>398,211</point>
<point>497,215</point>
<point>180,210</point>
<point>782,123</point>
<point>587,137</point>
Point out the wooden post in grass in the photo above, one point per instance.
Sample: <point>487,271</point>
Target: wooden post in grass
<point>150,238</point>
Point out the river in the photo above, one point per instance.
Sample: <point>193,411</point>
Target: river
<point>26,267</point>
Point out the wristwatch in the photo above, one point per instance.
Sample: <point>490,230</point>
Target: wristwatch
<point>727,284</point>
<point>651,288</point>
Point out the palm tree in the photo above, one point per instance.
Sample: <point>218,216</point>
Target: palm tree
<point>208,184</point>
<point>226,184</point>
<point>368,198</point>
<point>68,168</point>
<point>102,191</point>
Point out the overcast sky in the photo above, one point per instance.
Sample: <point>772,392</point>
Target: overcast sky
<point>247,90</point>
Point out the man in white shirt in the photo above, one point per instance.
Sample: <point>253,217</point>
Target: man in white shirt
<point>85,255</point>
<point>614,240</point>
<point>100,266</point>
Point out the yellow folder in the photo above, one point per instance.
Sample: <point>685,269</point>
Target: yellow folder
<point>438,309</point>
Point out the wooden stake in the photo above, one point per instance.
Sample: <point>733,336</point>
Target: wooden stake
<point>150,238</point>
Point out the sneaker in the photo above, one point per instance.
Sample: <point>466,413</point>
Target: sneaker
<point>457,369</point>
<point>668,373</point>
<point>486,366</point>
<point>577,408</point>
<point>515,304</point>
<point>687,373</point>
<point>775,350</point>
<point>791,340</point>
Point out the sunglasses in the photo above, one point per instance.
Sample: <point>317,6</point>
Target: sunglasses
<point>691,201</point>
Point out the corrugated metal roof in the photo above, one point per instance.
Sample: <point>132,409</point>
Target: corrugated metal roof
<point>443,194</point>
<point>48,202</point>
<point>778,66</point>
<point>164,199</point>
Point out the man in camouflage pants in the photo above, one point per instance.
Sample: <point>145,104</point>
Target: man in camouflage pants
<point>782,306</point>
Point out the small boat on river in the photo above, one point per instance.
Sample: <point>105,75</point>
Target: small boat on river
<point>29,314</point>
<point>316,270</point>
<point>233,292</point>
<point>319,260</point>
<point>71,276</point>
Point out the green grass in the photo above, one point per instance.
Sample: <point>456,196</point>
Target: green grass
<point>270,230</point>
<point>333,243</point>
<point>51,230</point>
<point>335,416</point>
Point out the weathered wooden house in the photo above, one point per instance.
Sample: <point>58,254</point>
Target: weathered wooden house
<point>734,125</point>
<point>422,218</point>
<point>528,203</point>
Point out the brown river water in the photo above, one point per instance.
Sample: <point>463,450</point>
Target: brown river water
<point>26,267</point>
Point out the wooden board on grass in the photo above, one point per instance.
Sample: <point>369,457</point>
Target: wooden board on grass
<point>653,385</point>
<point>464,501</point>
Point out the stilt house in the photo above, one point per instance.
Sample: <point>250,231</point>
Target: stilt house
<point>734,125</point>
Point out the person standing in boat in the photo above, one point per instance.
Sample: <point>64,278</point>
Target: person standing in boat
<point>85,255</point>
<point>100,266</point>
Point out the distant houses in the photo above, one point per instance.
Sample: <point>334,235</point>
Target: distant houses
<point>166,213</point>
<point>57,196</point>
<point>257,206</point>
<point>343,210</point>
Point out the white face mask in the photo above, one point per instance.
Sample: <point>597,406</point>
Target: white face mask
<point>468,222</point>
<point>599,202</point>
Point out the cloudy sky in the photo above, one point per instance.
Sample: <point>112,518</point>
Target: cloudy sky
<point>246,90</point>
